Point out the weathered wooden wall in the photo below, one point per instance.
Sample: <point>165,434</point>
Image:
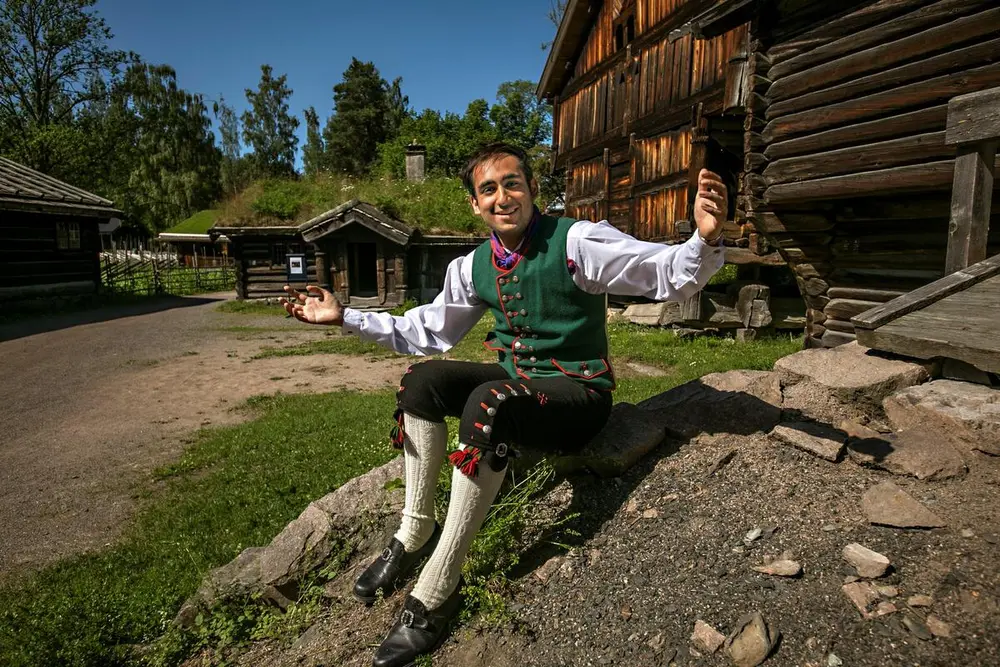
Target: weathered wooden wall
<point>30,259</point>
<point>257,275</point>
<point>848,172</point>
<point>622,123</point>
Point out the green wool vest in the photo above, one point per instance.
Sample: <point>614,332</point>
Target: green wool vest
<point>546,326</point>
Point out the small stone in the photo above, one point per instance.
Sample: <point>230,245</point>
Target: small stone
<point>850,579</point>
<point>920,600</point>
<point>781,568</point>
<point>829,527</point>
<point>548,569</point>
<point>751,642</point>
<point>917,627</point>
<point>632,506</point>
<point>817,440</point>
<point>887,591</point>
<point>833,661</point>
<point>869,564</point>
<point>651,513</point>
<point>967,533</point>
<point>862,594</point>
<point>938,627</point>
<point>886,504</point>
<point>706,638</point>
<point>657,642</point>
<point>626,612</point>
<point>752,536</point>
<point>884,608</point>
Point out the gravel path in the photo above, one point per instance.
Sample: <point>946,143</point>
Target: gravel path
<point>90,403</point>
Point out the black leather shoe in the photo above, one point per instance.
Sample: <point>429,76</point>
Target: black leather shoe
<point>391,568</point>
<point>417,631</point>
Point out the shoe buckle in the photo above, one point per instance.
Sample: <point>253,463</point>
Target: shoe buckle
<point>387,554</point>
<point>501,450</point>
<point>406,618</point>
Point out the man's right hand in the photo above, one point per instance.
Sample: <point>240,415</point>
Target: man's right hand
<point>318,307</point>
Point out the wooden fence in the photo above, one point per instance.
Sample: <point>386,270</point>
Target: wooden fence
<point>137,270</point>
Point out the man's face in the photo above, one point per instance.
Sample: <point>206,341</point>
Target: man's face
<point>504,198</point>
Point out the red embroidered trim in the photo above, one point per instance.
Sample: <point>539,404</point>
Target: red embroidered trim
<point>397,434</point>
<point>542,398</point>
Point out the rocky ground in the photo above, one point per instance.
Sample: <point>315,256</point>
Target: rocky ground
<point>675,557</point>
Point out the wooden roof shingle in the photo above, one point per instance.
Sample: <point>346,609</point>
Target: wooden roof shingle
<point>22,188</point>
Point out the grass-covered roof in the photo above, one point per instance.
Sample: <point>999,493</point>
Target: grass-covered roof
<point>435,206</point>
<point>199,223</point>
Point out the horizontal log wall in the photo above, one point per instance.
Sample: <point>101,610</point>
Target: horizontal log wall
<point>257,276</point>
<point>849,172</point>
<point>29,253</point>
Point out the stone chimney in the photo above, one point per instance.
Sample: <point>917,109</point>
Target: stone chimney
<point>415,156</point>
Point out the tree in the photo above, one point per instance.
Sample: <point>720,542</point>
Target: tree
<point>366,113</point>
<point>50,52</point>
<point>268,128</point>
<point>518,116</point>
<point>234,170</point>
<point>313,153</point>
<point>557,9</point>
<point>174,163</point>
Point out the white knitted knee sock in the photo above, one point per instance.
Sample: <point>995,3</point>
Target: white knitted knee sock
<point>424,448</point>
<point>470,502</point>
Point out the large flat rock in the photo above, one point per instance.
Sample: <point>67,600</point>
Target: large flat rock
<point>845,382</point>
<point>886,504</point>
<point>628,436</point>
<point>741,402</point>
<point>653,314</point>
<point>968,414</point>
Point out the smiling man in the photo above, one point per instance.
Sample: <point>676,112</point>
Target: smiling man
<point>545,281</point>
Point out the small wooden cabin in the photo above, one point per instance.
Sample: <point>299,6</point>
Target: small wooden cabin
<point>49,234</point>
<point>366,257</point>
<point>831,113</point>
<point>190,240</point>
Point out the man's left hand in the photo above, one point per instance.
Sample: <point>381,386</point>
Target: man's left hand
<point>710,205</point>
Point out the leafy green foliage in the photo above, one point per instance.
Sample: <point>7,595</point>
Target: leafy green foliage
<point>313,153</point>
<point>268,128</point>
<point>367,112</point>
<point>279,199</point>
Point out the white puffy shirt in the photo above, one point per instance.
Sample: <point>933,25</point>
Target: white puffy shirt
<point>607,261</point>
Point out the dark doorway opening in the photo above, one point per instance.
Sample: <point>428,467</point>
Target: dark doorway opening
<point>362,258</point>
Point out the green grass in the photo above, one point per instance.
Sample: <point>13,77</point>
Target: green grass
<point>199,223</point>
<point>333,344</point>
<point>236,487</point>
<point>436,205</point>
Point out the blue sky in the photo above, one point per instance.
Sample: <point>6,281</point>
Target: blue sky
<point>448,52</point>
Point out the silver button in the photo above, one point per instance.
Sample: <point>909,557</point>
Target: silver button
<point>523,312</point>
<point>511,313</point>
<point>517,296</point>
<point>517,345</point>
<point>516,279</point>
<point>491,411</point>
<point>486,428</point>
<point>586,374</point>
<point>502,281</point>
<point>534,360</point>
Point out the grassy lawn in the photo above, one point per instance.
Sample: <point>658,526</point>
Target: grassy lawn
<point>239,486</point>
<point>251,307</point>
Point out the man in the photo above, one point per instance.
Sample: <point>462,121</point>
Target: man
<point>545,280</point>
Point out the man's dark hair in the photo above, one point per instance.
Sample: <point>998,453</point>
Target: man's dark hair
<point>496,151</point>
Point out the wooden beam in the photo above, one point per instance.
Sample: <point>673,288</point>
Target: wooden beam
<point>937,89</point>
<point>974,117</point>
<point>882,182</point>
<point>918,148</point>
<point>971,197</point>
<point>874,27</point>
<point>912,122</point>
<point>885,54</point>
<point>743,256</point>
<point>884,79</point>
<point>923,296</point>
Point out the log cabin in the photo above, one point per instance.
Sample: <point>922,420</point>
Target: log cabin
<point>829,116</point>
<point>49,234</point>
<point>367,258</point>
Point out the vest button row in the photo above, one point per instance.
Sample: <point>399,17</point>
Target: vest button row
<point>504,281</point>
<point>508,297</point>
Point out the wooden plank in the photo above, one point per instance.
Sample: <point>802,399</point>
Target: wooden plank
<point>777,223</point>
<point>881,155</point>
<point>836,338</point>
<point>876,29</point>
<point>865,294</point>
<point>932,118</point>
<point>972,194</point>
<point>838,325</point>
<point>880,58</point>
<point>882,182</point>
<point>928,294</point>
<point>937,89</point>
<point>743,256</point>
<point>845,309</point>
<point>974,117</point>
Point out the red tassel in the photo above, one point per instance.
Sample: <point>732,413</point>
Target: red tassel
<point>466,460</point>
<point>397,433</point>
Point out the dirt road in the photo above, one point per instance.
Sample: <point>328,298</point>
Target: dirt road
<point>91,403</point>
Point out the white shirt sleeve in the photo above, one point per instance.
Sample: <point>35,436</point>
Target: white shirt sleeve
<point>428,329</point>
<point>609,260</point>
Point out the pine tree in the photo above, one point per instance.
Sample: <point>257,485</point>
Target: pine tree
<point>313,154</point>
<point>268,128</point>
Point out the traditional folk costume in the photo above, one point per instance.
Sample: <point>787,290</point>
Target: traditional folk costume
<point>549,391</point>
